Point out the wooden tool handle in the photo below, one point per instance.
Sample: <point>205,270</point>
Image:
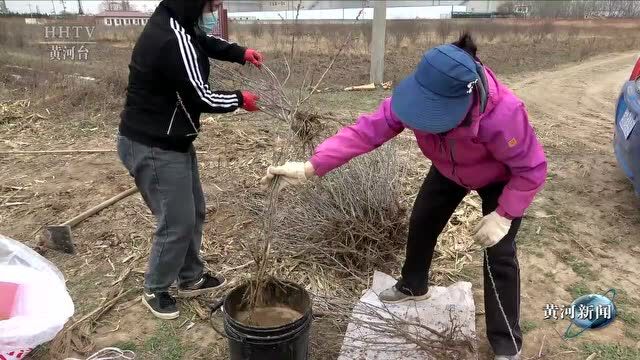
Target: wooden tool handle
<point>94,210</point>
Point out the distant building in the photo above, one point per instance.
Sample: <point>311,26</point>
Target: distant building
<point>284,5</point>
<point>35,21</point>
<point>122,18</point>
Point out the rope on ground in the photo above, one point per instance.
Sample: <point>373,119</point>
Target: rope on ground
<point>110,353</point>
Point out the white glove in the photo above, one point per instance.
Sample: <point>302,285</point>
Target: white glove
<point>491,229</point>
<point>291,173</point>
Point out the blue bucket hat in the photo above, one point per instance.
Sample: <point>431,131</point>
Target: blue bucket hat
<point>436,97</point>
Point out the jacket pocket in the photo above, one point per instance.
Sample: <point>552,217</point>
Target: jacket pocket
<point>125,153</point>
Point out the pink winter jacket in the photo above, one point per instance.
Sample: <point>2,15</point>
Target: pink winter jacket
<point>498,145</point>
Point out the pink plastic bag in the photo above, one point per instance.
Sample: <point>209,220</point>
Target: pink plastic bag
<point>15,355</point>
<point>8,294</point>
<point>40,305</point>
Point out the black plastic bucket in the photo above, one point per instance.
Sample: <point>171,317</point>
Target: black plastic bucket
<point>286,342</point>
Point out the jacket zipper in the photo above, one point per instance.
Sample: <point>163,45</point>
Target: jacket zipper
<point>443,139</point>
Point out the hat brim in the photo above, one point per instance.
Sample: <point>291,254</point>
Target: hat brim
<point>421,109</point>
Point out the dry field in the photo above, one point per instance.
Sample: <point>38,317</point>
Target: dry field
<point>580,236</point>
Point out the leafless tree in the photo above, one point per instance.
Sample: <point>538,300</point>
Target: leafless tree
<point>116,5</point>
<point>125,5</point>
<point>580,9</point>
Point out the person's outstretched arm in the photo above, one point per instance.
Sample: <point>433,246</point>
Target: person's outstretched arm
<point>221,49</point>
<point>368,133</point>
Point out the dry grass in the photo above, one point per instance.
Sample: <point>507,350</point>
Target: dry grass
<point>127,34</point>
<point>275,36</point>
<point>455,248</point>
<point>77,98</point>
<point>508,46</point>
<point>352,221</point>
<point>77,334</point>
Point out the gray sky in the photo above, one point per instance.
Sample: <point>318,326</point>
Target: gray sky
<point>89,6</point>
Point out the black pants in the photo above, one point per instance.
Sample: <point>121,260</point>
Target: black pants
<point>436,202</point>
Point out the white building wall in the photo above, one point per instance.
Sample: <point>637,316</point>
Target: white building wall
<point>393,13</point>
<point>284,5</point>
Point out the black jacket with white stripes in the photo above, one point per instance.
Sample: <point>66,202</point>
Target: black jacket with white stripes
<point>170,65</point>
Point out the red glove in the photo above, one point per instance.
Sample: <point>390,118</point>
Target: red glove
<point>254,57</point>
<point>249,101</point>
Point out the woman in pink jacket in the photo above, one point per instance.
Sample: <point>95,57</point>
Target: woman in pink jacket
<point>477,135</point>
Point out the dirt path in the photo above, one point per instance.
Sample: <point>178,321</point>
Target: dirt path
<point>577,102</point>
<point>583,231</point>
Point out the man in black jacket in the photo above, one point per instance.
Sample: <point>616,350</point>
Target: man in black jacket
<point>168,90</point>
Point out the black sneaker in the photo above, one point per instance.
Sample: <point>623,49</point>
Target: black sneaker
<point>206,285</point>
<point>162,305</point>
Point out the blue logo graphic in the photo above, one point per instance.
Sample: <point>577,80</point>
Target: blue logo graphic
<point>591,311</point>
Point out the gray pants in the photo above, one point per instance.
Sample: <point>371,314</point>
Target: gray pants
<point>170,185</point>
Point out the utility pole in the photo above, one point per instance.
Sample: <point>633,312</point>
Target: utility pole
<point>80,11</point>
<point>379,24</point>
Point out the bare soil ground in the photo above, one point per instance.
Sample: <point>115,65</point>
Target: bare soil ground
<point>580,236</point>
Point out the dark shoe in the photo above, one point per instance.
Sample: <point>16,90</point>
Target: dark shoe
<point>162,305</point>
<point>509,357</point>
<point>206,285</point>
<point>400,293</point>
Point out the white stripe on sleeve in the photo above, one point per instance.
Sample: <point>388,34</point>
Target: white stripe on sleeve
<point>190,61</point>
<point>219,38</point>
